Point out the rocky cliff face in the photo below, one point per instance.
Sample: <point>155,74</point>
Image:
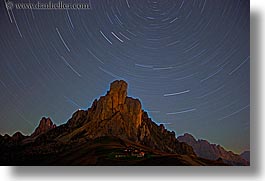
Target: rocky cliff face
<point>116,114</point>
<point>113,114</point>
<point>45,125</point>
<point>204,149</point>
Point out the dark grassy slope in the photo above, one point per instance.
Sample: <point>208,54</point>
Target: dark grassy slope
<point>101,151</point>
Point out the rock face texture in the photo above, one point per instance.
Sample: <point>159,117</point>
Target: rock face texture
<point>204,149</point>
<point>116,114</point>
<point>45,125</point>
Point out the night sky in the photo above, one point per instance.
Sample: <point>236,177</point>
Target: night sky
<point>188,62</point>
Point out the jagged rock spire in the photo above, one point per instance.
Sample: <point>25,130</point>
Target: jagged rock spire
<point>45,125</point>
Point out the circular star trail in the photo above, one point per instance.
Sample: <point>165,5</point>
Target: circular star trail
<point>186,60</point>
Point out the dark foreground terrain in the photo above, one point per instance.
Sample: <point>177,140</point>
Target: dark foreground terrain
<point>102,151</point>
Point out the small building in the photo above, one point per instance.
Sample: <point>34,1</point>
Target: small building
<point>131,152</point>
<point>142,154</point>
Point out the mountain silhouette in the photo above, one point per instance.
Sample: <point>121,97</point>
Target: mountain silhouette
<point>204,149</point>
<point>113,131</point>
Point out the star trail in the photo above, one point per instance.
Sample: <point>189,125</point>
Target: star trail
<point>188,62</point>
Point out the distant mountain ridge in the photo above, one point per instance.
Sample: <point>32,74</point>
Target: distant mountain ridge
<point>246,155</point>
<point>204,149</point>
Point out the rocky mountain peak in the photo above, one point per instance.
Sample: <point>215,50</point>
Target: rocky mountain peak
<point>116,106</point>
<point>45,125</point>
<point>118,92</point>
<point>187,138</point>
<point>17,137</point>
<point>118,115</point>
